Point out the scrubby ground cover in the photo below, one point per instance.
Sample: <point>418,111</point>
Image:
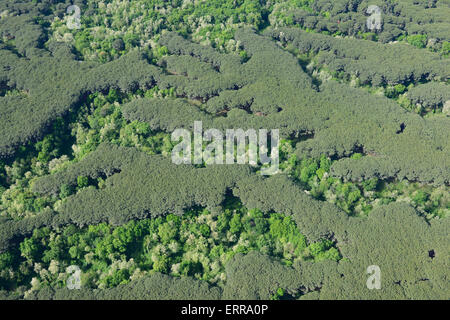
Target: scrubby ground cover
<point>86,177</point>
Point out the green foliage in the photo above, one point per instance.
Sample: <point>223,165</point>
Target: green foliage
<point>343,18</point>
<point>235,223</point>
<point>417,40</point>
<point>285,233</point>
<point>66,190</point>
<point>53,145</point>
<point>29,249</point>
<point>372,63</point>
<point>370,36</point>
<point>356,156</point>
<point>82,181</point>
<point>445,48</point>
<point>323,250</point>
<point>420,197</point>
<point>359,198</point>
<point>278,294</point>
<point>101,36</point>
<point>192,245</point>
<point>307,169</point>
<point>395,91</point>
<point>370,185</point>
<point>429,96</point>
<point>44,102</point>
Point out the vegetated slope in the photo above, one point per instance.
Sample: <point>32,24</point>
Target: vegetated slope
<point>398,143</point>
<point>422,20</point>
<point>52,82</point>
<point>411,252</point>
<point>147,186</point>
<point>108,31</point>
<point>290,89</point>
<point>263,87</point>
<point>413,260</point>
<point>154,287</point>
<point>370,62</point>
<point>430,95</point>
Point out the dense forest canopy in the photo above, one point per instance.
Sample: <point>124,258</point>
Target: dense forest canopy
<point>86,177</point>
